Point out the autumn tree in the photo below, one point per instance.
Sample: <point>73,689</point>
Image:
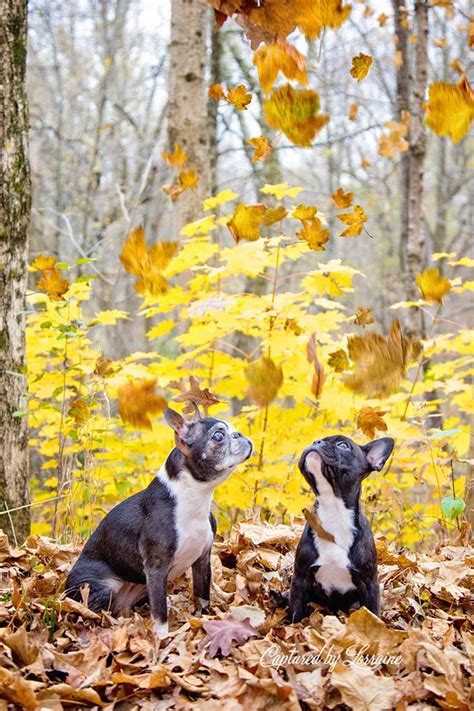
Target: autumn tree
<point>15,199</point>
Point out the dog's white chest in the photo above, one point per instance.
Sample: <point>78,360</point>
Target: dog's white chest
<point>333,556</point>
<point>191,517</point>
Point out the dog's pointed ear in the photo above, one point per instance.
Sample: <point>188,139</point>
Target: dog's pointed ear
<point>176,422</point>
<point>378,451</point>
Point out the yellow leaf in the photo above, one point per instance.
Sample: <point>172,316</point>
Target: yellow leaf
<point>274,214</point>
<point>147,264</point>
<point>338,360</point>
<point>262,148</point>
<point>137,400</point>
<point>280,190</point>
<point>265,378</point>
<point>79,411</point>
<point>246,221</point>
<point>312,17</point>
<point>239,97</point>
<point>177,158</point>
<point>188,179</point>
<point>360,66</point>
<point>450,109</point>
<point>199,227</point>
<point>395,142</point>
<point>353,109</point>
<point>370,419</point>
<point>314,234</point>
<point>216,92</point>
<point>432,285</point>
<point>363,316</point>
<point>279,57</point>
<point>342,199</point>
<point>304,212</point>
<point>134,251</point>
<point>219,199</point>
<point>355,220</point>
<point>295,113</point>
<point>53,284</point>
<point>43,263</point>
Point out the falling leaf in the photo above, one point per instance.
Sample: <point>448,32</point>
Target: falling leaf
<point>222,633</point>
<point>312,518</point>
<point>177,158</point>
<point>353,109</point>
<point>295,113</point>
<point>274,214</point>
<point>318,376</point>
<point>338,360</point>
<point>382,19</point>
<point>42,263</point>
<point>239,97</point>
<point>53,284</point>
<point>216,92</point>
<point>103,367</point>
<point>265,378</point>
<point>380,362</point>
<point>342,199</point>
<point>139,399</point>
<point>262,148</point>
<point>193,393</point>
<point>279,57</point>
<point>457,66</point>
<point>355,220</point>
<point>363,316</point>
<point>147,264</point>
<point>79,411</point>
<point>395,142</point>
<point>450,109</point>
<point>370,419</point>
<point>314,234</point>
<point>312,17</point>
<point>188,179</point>
<point>304,212</point>
<point>360,66</point>
<point>432,285</point>
<point>280,190</point>
<point>219,199</point>
<point>246,221</point>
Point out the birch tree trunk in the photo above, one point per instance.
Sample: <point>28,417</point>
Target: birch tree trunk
<point>187,110</point>
<point>15,204</point>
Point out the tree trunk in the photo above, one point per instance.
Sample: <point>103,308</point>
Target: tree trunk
<point>15,205</point>
<point>187,110</point>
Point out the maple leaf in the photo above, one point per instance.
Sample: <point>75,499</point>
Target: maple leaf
<point>280,190</point>
<point>450,109</point>
<point>363,316</point>
<point>194,395</point>
<point>370,419</point>
<point>78,410</point>
<point>42,263</point>
<point>220,199</point>
<point>355,220</point>
<point>239,97</point>
<point>318,376</point>
<point>53,284</point>
<point>304,212</point>
<point>380,362</point>
<point>265,378</point>
<point>262,148</point>
<point>314,234</point>
<point>353,109</point>
<point>188,179</point>
<point>103,367</point>
<point>360,66</point>
<point>246,221</point>
<point>338,360</point>
<point>222,633</point>
<point>396,141</point>
<point>432,285</point>
<point>139,399</point>
<point>312,17</point>
<point>342,199</point>
<point>147,264</point>
<point>382,19</point>
<point>216,92</point>
<point>279,57</point>
<point>295,113</point>
<point>177,158</point>
<point>274,214</point>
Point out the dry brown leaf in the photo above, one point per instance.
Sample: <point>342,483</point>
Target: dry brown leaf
<point>370,419</point>
<point>319,377</point>
<point>265,378</point>
<point>194,394</point>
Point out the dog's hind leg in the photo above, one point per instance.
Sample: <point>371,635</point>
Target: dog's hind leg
<point>93,583</point>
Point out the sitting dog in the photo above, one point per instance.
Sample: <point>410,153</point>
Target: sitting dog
<point>337,566</point>
<point>156,535</point>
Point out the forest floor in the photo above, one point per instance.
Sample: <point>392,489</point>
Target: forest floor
<point>56,654</point>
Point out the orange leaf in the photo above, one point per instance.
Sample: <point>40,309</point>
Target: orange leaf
<point>274,214</point>
<point>239,97</point>
<point>262,146</point>
<point>265,379</point>
<point>318,375</point>
<point>363,316</point>
<point>355,220</point>
<point>360,66</point>
<point>246,221</point>
<point>353,109</point>
<point>295,113</point>
<point>338,360</point>
<point>304,212</point>
<point>342,199</point>
<point>43,263</point>
<point>216,92</point>
<point>279,57</point>
<point>314,234</point>
<point>137,400</point>
<point>370,419</point>
<point>395,142</point>
<point>188,179</point>
<point>53,284</point>
<point>177,158</point>
<point>147,264</point>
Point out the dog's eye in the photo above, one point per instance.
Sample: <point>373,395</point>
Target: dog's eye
<point>218,436</point>
<point>343,445</point>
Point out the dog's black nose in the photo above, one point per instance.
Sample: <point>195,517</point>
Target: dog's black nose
<point>235,435</point>
<point>317,442</point>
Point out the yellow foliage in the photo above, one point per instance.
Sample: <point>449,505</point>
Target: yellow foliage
<point>295,113</point>
<point>360,66</point>
<point>279,57</point>
<point>432,285</point>
<point>450,109</point>
<point>239,97</point>
<point>355,220</point>
<point>246,221</point>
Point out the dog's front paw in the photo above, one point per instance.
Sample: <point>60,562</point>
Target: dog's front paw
<point>201,606</point>
<point>279,598</point>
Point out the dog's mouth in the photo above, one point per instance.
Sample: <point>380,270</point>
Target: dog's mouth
<point>311,456</point>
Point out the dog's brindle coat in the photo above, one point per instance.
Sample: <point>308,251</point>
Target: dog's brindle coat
<point>337,574</point>
<point>159,533</point>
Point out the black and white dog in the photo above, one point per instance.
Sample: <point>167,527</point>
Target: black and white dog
<point>340,572</point>
<point>156,535</point>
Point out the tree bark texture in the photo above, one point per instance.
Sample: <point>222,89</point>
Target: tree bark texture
<point>15,204</point>
<point>188,102</point>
